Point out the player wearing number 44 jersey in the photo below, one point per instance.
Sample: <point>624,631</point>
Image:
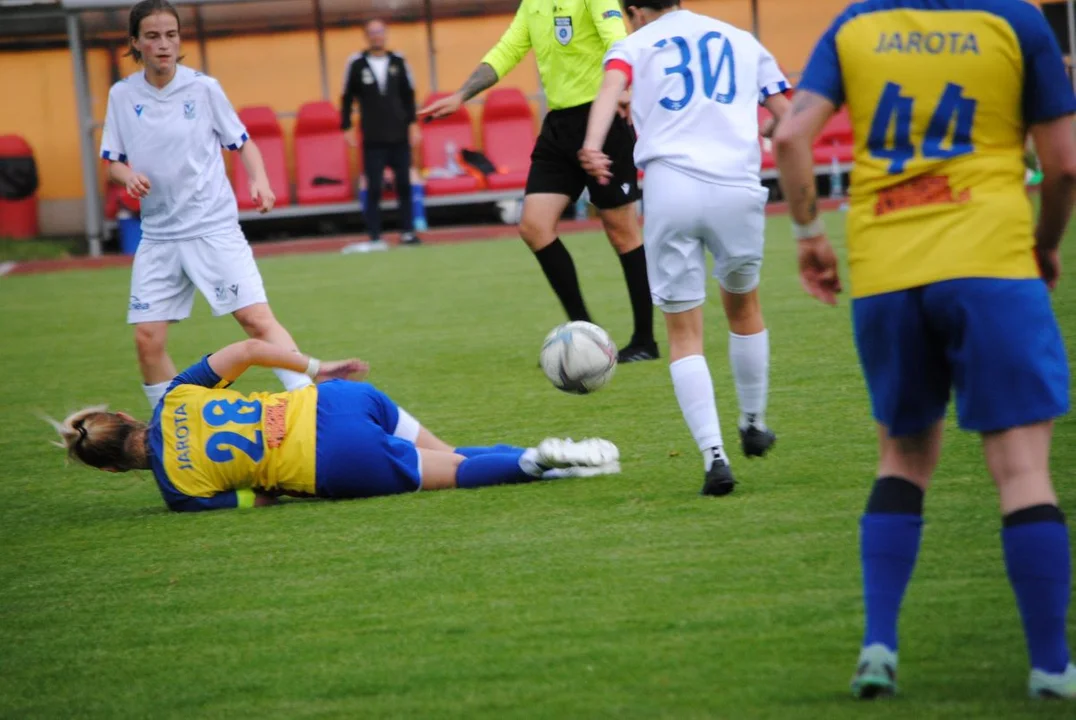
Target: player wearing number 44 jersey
<point>948,283</point>
<point>697,83</point>
<point>212,448</point>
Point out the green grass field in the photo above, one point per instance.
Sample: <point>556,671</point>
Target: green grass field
<point>629,596</point>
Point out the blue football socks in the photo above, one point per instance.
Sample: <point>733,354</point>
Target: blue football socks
<point>1036,545</point>
<point>890,532</point>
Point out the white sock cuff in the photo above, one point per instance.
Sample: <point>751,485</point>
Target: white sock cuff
<point>748,338</point>
<point>292,380</point>
<point>155,392</point>
<point>687,361</point>
<point>407,427</point>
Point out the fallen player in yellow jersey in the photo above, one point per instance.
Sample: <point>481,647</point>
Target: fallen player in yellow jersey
<point>210,447</point>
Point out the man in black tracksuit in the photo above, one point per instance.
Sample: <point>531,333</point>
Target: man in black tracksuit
<point>382,83</point>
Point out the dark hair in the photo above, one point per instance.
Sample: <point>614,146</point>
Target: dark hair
<point>140,12</point>
<point>652,4</point>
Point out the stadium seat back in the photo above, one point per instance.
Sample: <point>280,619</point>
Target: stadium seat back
<point>508,132</point>
<point>456,129</point>
<point>264,128</point>
<point>436,135</point>
<point>322,170</point>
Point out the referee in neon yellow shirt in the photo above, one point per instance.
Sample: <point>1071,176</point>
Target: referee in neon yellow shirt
<point>570,39</point>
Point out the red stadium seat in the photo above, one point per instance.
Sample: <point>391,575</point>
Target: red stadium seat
<point>264,129</point>
<point>508,137</point>
<point>322,171</point>
<point>436,136</point>
<point>836,140</point>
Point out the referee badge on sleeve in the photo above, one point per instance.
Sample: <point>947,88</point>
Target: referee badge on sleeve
<point>563,28</point>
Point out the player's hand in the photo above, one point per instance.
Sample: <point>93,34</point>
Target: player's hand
<point>443,107</point>
<point>818,269</point>
<point>1049,266</point>
<point>138,185</point>
<point>343,370</point>
<point>596,163</point>
<point>262,195</point>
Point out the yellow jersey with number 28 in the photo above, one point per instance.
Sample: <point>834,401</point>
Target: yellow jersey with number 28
<point>211,447</point>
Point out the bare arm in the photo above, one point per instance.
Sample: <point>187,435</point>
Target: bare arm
<point>252,161</point>
<point>604,109</point>
<point>235,359</point>
<point>261,192</point>
<point>483,78</point>
<point>119,173</point>
<point>795,134</point>
<point>1057,155</point>
<point>137,184</point>
<point>793,138</point>
<point>778,105</point>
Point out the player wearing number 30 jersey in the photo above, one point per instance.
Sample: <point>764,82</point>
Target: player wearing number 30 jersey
<point>212,448</point>
<point>948,283</point>
<point>696,86</point>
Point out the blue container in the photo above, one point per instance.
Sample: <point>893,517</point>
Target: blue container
<point>418,207</point>
<point>130,232</point>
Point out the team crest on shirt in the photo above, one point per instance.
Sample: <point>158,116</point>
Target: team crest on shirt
<point>139,109</point>
<point>562,26</point>
<point>188,109</point>
<point>367,77</point>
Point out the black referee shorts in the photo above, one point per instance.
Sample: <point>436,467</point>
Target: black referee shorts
<point>555,164</point>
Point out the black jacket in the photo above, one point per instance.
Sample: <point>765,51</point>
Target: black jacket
<point>385,115</point>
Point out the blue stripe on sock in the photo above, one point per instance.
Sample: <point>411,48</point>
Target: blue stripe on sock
<point>491,469</point>
<point>1038,561</point>
<point>481,450</point>
<point>888,547</point>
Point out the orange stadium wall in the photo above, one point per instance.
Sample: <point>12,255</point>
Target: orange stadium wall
<point>283,70</point>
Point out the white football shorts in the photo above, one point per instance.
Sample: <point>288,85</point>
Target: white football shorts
<point>685,217</point>
<point>166,273</point>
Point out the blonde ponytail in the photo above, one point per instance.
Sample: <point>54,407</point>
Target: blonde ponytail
<point>101,439</point>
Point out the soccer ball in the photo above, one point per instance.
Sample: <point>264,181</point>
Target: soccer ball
<point>578,357</point>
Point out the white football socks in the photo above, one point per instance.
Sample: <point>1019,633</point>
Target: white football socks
<point>292,380</point>
<point>154,393</point>
<point>695,393</point>
<point>749,356</point>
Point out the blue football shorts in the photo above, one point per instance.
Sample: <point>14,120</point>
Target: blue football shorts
<point>995,342</point>
<point>358,455</point>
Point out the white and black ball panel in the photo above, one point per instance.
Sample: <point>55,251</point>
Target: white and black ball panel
<point>578,357</point>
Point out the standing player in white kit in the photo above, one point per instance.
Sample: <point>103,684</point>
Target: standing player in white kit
<point>697,83</point>
<point>164,130</point>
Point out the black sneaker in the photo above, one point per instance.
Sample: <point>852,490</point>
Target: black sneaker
<point>638,353</point>
<point>756,441</point>
<point>410,238</point>
<point>719,480</point>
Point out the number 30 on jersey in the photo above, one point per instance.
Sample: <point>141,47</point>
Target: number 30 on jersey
<point>711,74</point>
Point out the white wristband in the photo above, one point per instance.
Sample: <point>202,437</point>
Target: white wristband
<point>811,230</point>
<point>313,368</point>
